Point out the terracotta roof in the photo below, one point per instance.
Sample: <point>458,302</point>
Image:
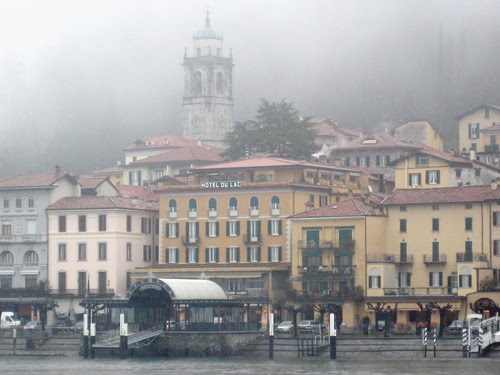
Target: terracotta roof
<point>161,141</point>
<point>427,150</point>
<point>463,194</point>
<point>135,191</point>
<point>93,202</point>
<point>91,182</point>
<point>327,127</point>
<point>365,206</point>
<point>375,141</point>
<point>197,153</point>
<point>114,170</point>
<point>36,180</point>
<point>493,128</point>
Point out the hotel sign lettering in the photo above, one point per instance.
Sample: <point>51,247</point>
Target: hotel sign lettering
<point>149,286</point>
<point>220,184</point>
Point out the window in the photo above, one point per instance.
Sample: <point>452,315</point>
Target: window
<point>102,282</point>
<point>172,255</point>
<point>274,254</point>
<point>31,202</point>
<point>232,254</point>
<point>468,223</point>
<point>474,130</point>
<point>192,255</point>
<point>435,225</point>
<point>402,225</point>
<point>477,172</point>
<point>435,251</point>
<point>82,223</point>
<point>404,279</point>
<point>62,223</point>
<point>212,204</point>
<point>212,228</point>
<point>146,253</point>
<point>253,230</point>
<point>219,81</point>
<point>158,174</point>
<point>323,200</point>
<point>432,177</point>
<point>102,223</point>
<point>145,225</point>
<point>197,84</point>
<point>212,255</point>
<point>468,251</point>
<point>7,258</point>
<point>403,252</point>
<point>31,226</point>
<point>172,230</point>
<point>6,202</point>
<point>172,205</point>
<point>458,173</point>
<point>435,279</point>
<point>402,208</point>
<point>274,227</point>
<point>275,202</point>
<point>135,178</point>
<point>128,251</point>
<point>465,278</point>
<point>414,179</point>
<point>468,206</point>
<point>62,282</point>
<point>233,204</point>
<point>31,258</point>
<point>30,282</point>
<point>192,205</point>
<point>19,202</point>
<point>82,283</point>
<point>496,247</point>
<point>82,251</point>
<point>192,232</point>
<point>102,251</point>
<point>374,279</point>
<point>232,228</point>
<point>62,252</point>
<point>254,203</point>
<point>6,229</point>
<point>422,160</point>
<point>129,223</point>
<point>435,207</point>
<point>253,254</point>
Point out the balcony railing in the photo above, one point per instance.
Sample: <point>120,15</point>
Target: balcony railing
<point>407,291</point>
<point>471,257</point>
<point>315,245</point>
<point>403,259</point>
<point>82,292</point>
<point>172,214</point>
<point>327,270</point>
<point>190,240</point>
<point>18,292</point>
<point>275,211</point>
<point>192,214</point>
<point>433,259</point>
<point>252,239</point>
<point>212,213</point>
<point>254,211</point>
<point>382,258</point>
<point>491,149</point>
<point>23,238</point>
<point>233,212</point>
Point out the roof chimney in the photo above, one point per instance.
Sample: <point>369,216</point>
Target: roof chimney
<point>494,184</point>
<point>58,170</point>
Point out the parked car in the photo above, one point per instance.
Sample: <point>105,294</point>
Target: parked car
<point>457,326</point>
<point>309,326</point>
<point>78,327</point>
<point>285,327</point>
<point>63,322</point>
<point>32,326</point>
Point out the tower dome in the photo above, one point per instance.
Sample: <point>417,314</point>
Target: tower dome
<point>207,32</point>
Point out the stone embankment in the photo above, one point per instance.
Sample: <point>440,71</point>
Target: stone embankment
<point>39,343</point>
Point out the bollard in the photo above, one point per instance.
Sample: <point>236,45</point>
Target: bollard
<point>464,342</point>
<point>435,342</point>
<point>333,338</point>
<point>85,337</point>
<point>271,335</point>
<point>14,339</point>
<point>424,341</point>
<point>480,342</point>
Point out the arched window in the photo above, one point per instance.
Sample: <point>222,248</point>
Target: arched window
<point>233,203</point>
<point>31,257</point>
<point>219,83</point>
<point>19,202</point>
<point>374,278</point>
<point>31,202</point>
<point>254,203</point>
<point>6,258</point>
<point>197,84</point>
<point>212,204</point>
<point>465,278</point>
<point>192,205</point>
<point>275,202</point>
<point>172,205</point>
<point>6,202</point>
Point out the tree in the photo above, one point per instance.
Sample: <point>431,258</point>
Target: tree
<point>278,129</point>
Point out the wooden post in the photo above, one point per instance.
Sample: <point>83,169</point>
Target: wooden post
<point>333,338</point>
<point>271,335</point>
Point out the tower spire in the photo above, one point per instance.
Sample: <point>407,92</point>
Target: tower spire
<point>207,21</point>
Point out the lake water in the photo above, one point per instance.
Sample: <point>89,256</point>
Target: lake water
<point>235,365</point>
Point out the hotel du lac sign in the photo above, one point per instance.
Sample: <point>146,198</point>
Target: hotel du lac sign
<point>220,184</point>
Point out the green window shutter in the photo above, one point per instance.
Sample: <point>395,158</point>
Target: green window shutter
<point>187,230</point>
<point>258,229</point>
<point>427,177</point>
<point>217,254</point>
<point>176,230</point>
<point>279,252</point>
<point>248,254</point>
<point>237,228</point>
<point>237,254</point>
<point>217,229</point>
<point>408,279</point>
<point>438,177</point>
<point>399,279</point>
<point>197,255</point>
<point>227,254</point>
<point>197,230</point>
<point>187,255</point>
<point>206,255</point>
<point>430,278</point>
<point>248,229</point>
<point>377,160</point>
<point>166,256</point>
<point>269,255</point>
<point>367,161</point>
<point>409,180</point>
<point>279,227</point>
<point>258,254</point>
<point>176,255</point>
<point>227,228</point>
<point>167,229</point>
<point>440,279</point>
<point>370,281</point>
<point>207,229</point>
<point>269,227</point>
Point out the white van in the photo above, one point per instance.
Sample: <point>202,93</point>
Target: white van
<point>8,320</point>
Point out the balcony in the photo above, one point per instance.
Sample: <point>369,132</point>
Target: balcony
<point>252,239</point>
<point>326,271</point>
<point>190,240</point>
<point>471,257</point>
<point>344,245</point>
<point>406,291</point>
<point>403,259</point>
<point>82,293</point>
<point>382,258</point>
<point>233,212</point>
<point>172,214</point>
<point>315,245</point>
<point>24,293</point>
<point>19,211</point>
<point>254,211</point>
<point>275,211</point>
<point>212,213</point>
<point>193,214</point>
<point>491,149</point>
<point>432,259</point>
<point>29,238</point>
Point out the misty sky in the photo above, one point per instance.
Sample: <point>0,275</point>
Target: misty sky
<point>80,79</point>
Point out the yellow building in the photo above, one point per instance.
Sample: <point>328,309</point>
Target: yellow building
<point>478,130</point>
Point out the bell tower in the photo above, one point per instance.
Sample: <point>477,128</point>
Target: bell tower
<point>208,89</point>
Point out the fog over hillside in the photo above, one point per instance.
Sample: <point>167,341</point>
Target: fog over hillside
<point>79,80</point>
